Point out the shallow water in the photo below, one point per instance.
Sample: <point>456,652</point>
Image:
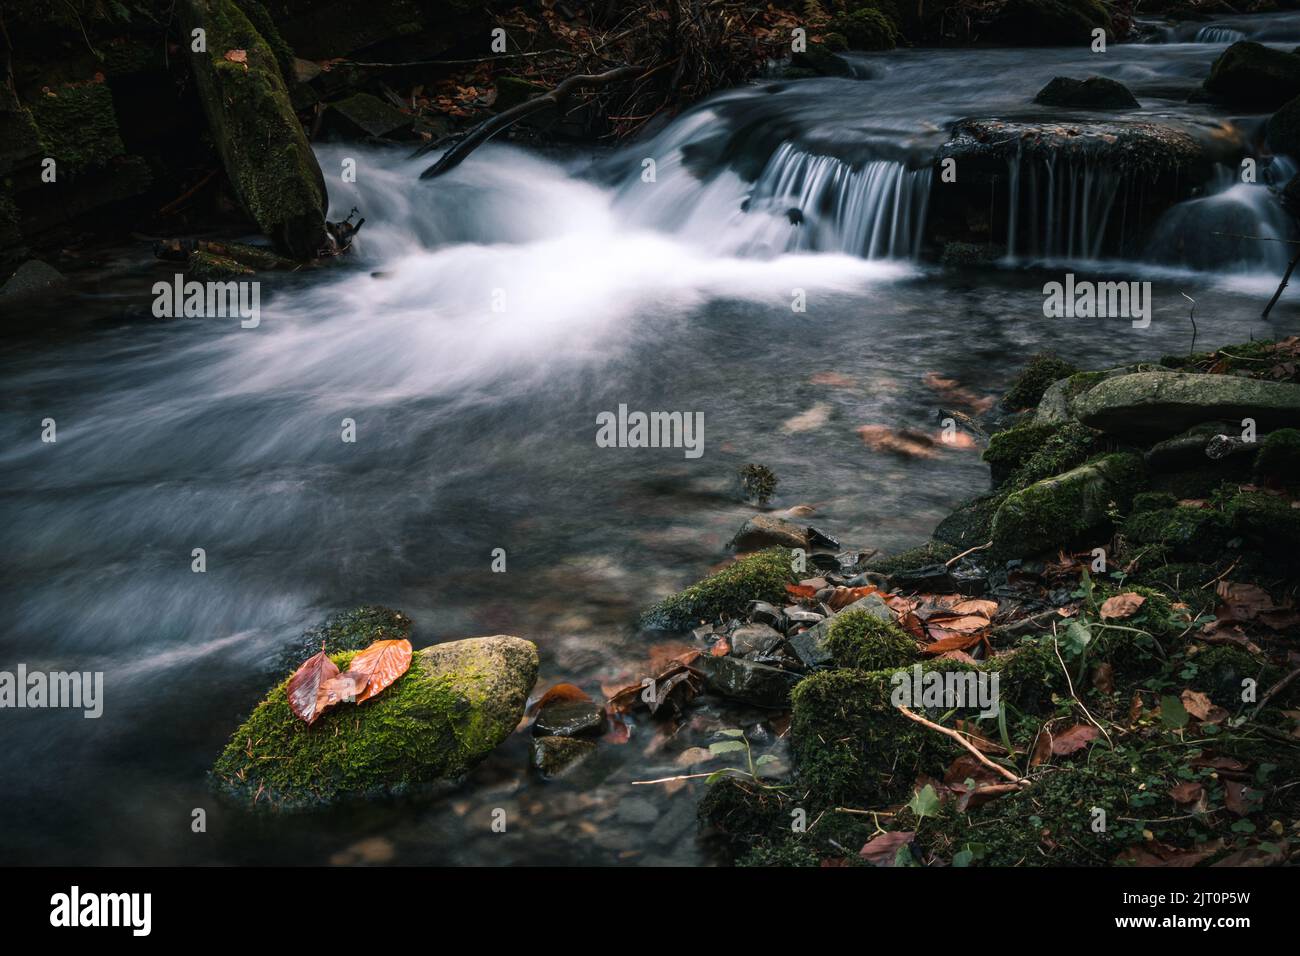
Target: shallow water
<point>476,431</point>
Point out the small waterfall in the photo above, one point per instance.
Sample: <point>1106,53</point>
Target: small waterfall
<point>1213,34</point>
<point>1063,208</point>
<point>875,209</point>
<point>1214,232</point>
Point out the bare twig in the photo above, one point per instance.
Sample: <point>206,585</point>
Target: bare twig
<point>1018,781</point>
<point>1070,684</point>
<point>979,547</point>
<point>486,130</point>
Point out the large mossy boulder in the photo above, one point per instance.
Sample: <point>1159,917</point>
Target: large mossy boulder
<point>1061,510</point>
<point>1094,93</point>
<point>262,145</point>
<point>452,707</point>
<point>1253,76</point>
<point>1049,23</point>
<point>1156,404</point>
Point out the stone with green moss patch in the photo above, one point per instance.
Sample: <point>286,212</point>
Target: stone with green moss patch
<point>1182,532</point>
<point>761,576</point>
<point>1268,522</point>
<point>1279,457</point>
<point>262,145</point>
<point>78,127</point>
<point>455,703</point>
<point>1060,511</point>
<point>1029,386</point>
<point>863,641</point>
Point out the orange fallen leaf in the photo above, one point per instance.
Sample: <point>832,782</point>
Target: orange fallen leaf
<point>1074,739</point>
<point>381,663</point>
<point>1121,606</point>
<point>305,684</point>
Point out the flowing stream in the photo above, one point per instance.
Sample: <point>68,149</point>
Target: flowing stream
<point>482,323</point>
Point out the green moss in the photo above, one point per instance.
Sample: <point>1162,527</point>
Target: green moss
<point>1182,533</point>
<point>851,746</point>
<point>761,576</point>
<point>351,630</point>
<point>1063,510</point>
<point>970,522</point>
<point>932,552</point>
<point>428,725</point>
<point>1009,449</point>
<point>1153,501</point>
<point>1219,671</point>
<point>867,29</point>
<point>1042,371</point>
<point>1029,677</point>
<point>1068,446</point>
<point>859,640</point>
<point>1279,457</point>
<point>261,19</point>
<point>205,266</point>
<point>1268,522</point>
<point>783,855</point>
<point>1052,822</point>
<point>78,127</point>
<point>262,144</point>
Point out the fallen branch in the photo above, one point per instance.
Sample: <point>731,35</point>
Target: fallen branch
<point>1277,689</point>
<point>1018,781</point>
<point>489,128</point>
<point>1286,277</point>
<point>1070,683</point>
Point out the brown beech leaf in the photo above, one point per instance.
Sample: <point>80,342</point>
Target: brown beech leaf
<point>1121,606</point>
<point>1161,854</point>
<point>1202,708</point>
<point>1234,797</point>
<point>882,850</point>
<point>382,663</point>
<point>345,687</point>
<point>1074,739</point>
<point>906,442</point>
<point>1189,791</point>
<point>558,693</point>
<point>306,682</point>
<point>1103,678</point>
<point>843,597</point>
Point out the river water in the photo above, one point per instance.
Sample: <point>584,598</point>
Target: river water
<point>483,322</point>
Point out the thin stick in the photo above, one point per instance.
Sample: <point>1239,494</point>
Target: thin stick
<point>979,547</point>
<point>1286,277</point>
<point>1277,689</point>
<point>1070,683</point>
<point>1018,781</point>
<point>686,776</point>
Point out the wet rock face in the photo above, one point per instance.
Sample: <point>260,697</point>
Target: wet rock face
<point>1155,404</point>
<point>753,683</point>
<point>1251,75</point>
<point>763,531</point>
<point>1049,22</point>
<point>1094,93</point>
<point>262,145</point>
<point>570,718</point>
<point>553,756</point>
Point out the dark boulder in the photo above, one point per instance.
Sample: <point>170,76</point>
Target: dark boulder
<point>1094,93</point>
<point>1253,76</point>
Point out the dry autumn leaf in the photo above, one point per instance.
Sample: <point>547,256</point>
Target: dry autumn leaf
<point>1121,606</point>
<point>305,684</point>
<point>381,663</point>
<point>882,850</point>
<point>1074,739</point>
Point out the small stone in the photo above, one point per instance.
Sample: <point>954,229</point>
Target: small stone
<point>754,683</point>
<point>637,810</point>
<point>764,531</point>
<point>552,756</point>
<point>570,718</point>
<point>753,640</point>
<point>760,612</point>
<point>810,645</point>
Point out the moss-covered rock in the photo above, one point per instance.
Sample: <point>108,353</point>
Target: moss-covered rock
<point>867,29</point>
<point>1267,522</point>
<point>78,127</point>
<point>1154,404</point>
<point>761,576</point>
<point>206,266</point>
<point>932,552</point>
<point>1279,457</point>
<point>455,704</point>
<point>352,630</point>
<point>362,116</point>
<point>1008,450</point>
<point>1061,510</point>
<point>862,641</point>
<point>1251,75</point>
<point>262,145</point>
<point>1041,371</point>
<point>1181,532</point>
